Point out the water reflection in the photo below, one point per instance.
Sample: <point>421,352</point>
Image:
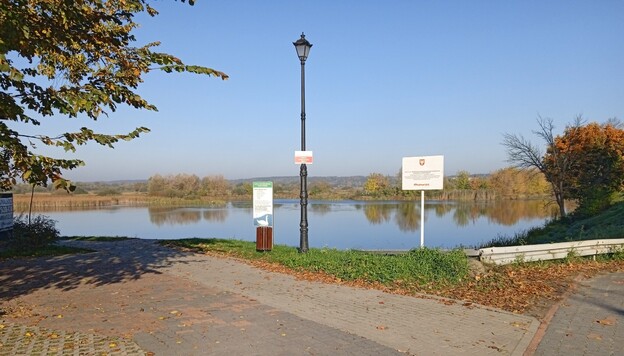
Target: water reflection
<point>408,216</point>
<point>378,214</point>
<point>507,213</point>
<point>242,204</point>
<point>442,209</point>
<point>172,216</point>
<point>341,224</point>
<point>321,209</point>
<point>160,216</point>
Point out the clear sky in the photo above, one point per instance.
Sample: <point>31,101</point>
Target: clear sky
<point>384,80</point>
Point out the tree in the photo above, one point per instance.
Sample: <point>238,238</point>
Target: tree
<point>215,186</point>
<point>376,184</point>
<point>156,185</point>
<point>462,180</point>
<point>184,185</point>
<point>597,152</point>
<point>585,163</point>
<point>524,154</point>
<point>75,59</point>
<point>320,188</point>
<point>514,182</point>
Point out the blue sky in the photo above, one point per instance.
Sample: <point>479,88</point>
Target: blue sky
<point>384,80</point>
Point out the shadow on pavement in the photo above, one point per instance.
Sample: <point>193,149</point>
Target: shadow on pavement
<point>603,298</point>
<point>112,262</point>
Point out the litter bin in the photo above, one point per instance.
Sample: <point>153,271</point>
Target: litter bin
<point>264,238</point>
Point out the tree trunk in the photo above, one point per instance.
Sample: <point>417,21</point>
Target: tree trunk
<point>561,203</point>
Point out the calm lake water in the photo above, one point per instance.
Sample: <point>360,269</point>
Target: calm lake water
<point>342,225</point>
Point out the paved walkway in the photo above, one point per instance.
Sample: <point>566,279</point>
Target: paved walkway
<point>590,321</point>
<point>137,298</point>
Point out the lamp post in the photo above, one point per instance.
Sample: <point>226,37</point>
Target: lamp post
<point>303,48</point>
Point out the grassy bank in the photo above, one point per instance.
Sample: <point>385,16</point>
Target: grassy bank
<point>607,225</point>
<point>418,267</point>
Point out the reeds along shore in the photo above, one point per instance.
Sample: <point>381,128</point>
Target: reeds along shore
<point>43,201</point>
<point>55,202</point>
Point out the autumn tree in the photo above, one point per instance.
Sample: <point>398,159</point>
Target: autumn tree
<point>174,186</point>
<point>597,151</point>
<point>215,186</point>
<point>156,185</point>
<point>184,185</point>
<point>585,163</point>
<point>376,184</point>
<point>462,180</point>
<point>76,59</point>
<point>514,182</point>
<point>522,153</point>
<point>243,189</point>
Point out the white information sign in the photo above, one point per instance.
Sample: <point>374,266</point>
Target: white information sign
<point>263,203</point>
<point>423,173</point>
<point>304,157</point>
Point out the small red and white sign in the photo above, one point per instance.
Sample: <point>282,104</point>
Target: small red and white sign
<point>303,157</point>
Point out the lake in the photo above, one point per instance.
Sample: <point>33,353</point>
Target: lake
<point>342,225</point>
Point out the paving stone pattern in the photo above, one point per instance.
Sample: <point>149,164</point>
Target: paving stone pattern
<point>590,321</point>
<point>137,298</point>
<point>28,340</point>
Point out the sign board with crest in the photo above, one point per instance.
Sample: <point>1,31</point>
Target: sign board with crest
<point>423,173</point>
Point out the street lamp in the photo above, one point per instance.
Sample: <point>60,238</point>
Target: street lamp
<point>303,48</point>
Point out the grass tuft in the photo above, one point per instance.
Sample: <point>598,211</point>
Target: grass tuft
<point>421,266</point>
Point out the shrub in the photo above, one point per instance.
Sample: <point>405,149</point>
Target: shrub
<point>41,231</point>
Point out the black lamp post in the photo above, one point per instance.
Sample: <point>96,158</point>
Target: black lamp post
<point>303,48</point>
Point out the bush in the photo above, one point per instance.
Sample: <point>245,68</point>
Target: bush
<point>39,233</point>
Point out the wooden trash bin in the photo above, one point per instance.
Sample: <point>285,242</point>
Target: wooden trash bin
<point>264,238</point>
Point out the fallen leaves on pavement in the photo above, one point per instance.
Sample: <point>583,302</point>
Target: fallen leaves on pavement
<point>527,287</point>
<point>610,320</point>
<point>520,288</point>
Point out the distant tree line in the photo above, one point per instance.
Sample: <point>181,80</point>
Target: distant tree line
<point>506,183</point>
<point>188,186</point>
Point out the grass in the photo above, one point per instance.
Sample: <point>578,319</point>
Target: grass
<point>417,267</point>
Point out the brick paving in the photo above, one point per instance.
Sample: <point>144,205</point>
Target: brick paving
<point>16,339</point>
<point>590,321</point>
<point>136,298</point>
